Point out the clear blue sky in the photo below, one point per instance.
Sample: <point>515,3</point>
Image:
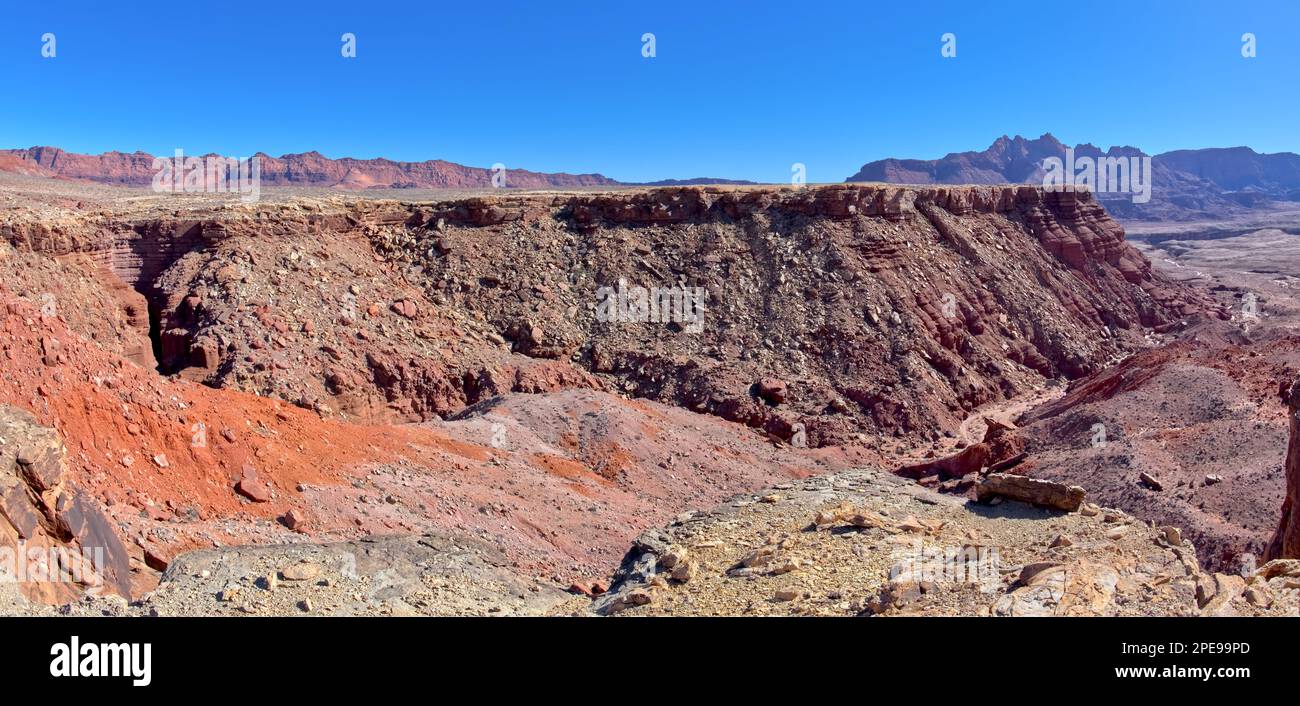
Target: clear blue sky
<point>737,89</point>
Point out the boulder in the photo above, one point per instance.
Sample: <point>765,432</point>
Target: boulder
<point>1030,490</point>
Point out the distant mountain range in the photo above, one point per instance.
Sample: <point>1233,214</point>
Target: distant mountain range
<point>306,169</point>
<point>311,169</point>
<point>1187,184</point>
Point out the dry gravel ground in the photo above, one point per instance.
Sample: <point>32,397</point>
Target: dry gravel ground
<point>430,574</point>
<point>859,543</point>
<point>1092,562</point>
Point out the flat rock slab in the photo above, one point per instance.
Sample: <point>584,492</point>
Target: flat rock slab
<point>1030,490</point>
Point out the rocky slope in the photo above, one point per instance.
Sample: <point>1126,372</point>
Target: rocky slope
<point>97,451</point>
<point>837,311</point>
<point>859,543</point>
<point>1192,435</point>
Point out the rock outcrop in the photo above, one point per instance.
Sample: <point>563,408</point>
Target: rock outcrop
<point>1285,543</point>
<point>873,544</point>
<point>1030,490</point>
<point>55,539</point>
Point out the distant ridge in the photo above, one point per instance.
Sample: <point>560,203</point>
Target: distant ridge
<point>1188,184</point>
<point>305,169</point>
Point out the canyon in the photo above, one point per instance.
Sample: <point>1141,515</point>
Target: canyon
<point>192,381</point>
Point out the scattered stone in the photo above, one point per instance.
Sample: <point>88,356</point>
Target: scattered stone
<point>910,524</point>
<point>582,587</point>
<point>1215,594</point>
<point>1061,541</point>
<point>406,308</point>
<point>772,390</point>
<point>251,487</point>
<point>785,595</point>
<point>1212,479</point>
<point>301,572</point>
<point>785,566</point>
<point>1279,567</point>
<point>895,595</point>
<point>1150,481</point>
<point>28,455</point>
<point>1029,571</point>
<point>1259,596</point>
<point>155,558</point>
<point>294,519</point>
<point>866,519</point>
<point>674,555</point>
<point>760,556</point>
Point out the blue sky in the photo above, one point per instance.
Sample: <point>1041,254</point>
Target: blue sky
<point>737,89</point>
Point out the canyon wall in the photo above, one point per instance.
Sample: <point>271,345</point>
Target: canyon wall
<point>827,312</point>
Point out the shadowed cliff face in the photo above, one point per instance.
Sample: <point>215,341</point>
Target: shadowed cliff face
<point>1285,543</point>
<point>823,313</point>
